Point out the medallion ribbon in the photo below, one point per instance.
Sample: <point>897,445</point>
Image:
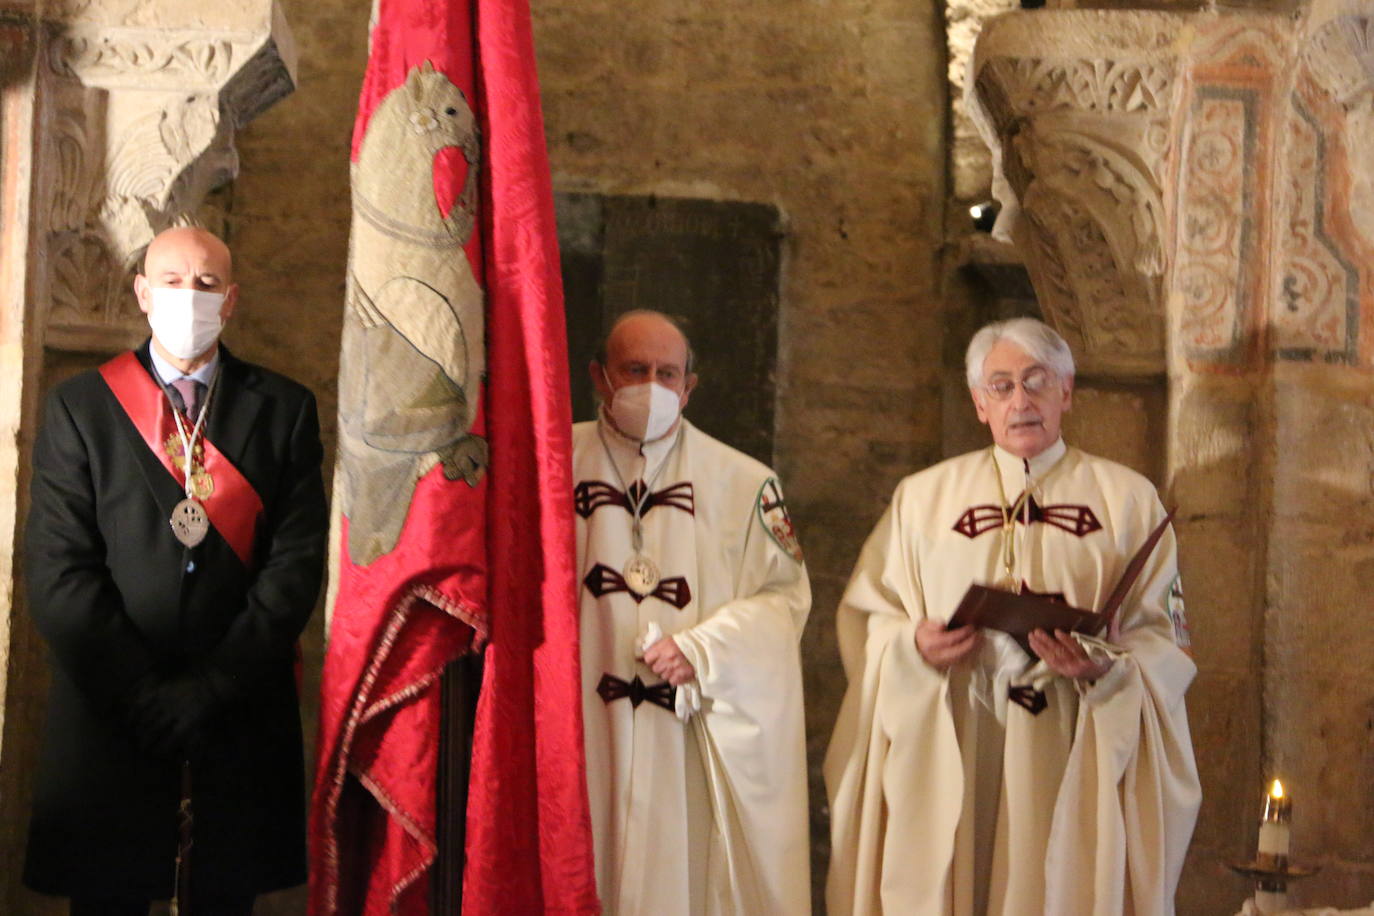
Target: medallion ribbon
<point>231,503</point>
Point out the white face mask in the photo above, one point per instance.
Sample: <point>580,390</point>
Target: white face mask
<point>185,321</point>
<point>645,411</point>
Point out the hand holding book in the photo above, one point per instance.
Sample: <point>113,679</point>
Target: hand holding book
<point>1067,657</point>
<point>941,647</point>
<point>1019,614</point>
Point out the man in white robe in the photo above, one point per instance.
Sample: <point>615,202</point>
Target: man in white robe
<point>692,696</point>
<point>966,777</point>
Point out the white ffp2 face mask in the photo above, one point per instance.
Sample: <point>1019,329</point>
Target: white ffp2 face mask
<point>645,411</point>
<point>185,321</point>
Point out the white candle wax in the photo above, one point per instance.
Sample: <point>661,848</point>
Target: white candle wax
<point>1273,832</point>
<point>1273,838</point>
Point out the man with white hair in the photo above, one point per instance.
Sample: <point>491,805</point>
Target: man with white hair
<point>965,775</point>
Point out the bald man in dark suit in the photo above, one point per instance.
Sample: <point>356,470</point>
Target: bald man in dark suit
<point>172,606</point>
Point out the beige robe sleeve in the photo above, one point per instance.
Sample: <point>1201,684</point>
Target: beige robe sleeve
<point>752,733</point>
<point>893,772</point>
<point>1130,794</point>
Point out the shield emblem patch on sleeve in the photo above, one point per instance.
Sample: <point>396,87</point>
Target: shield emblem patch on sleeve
<point>772,509</point>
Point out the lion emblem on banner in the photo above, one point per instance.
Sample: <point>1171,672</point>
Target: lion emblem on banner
<point>413,353</point>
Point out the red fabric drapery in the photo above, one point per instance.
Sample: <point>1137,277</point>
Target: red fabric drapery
<point>493,562</point>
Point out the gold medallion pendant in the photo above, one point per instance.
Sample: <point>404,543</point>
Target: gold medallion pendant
<point>202,484</point>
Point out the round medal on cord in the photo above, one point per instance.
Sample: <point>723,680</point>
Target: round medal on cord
<point>190,524</point>
<point>641,574</point>
<point>189,521</point>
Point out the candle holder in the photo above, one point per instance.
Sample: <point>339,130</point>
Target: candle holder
<point>1270,870</point>
<point>1271,882</point>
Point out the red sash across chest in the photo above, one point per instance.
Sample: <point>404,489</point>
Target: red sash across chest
<point>234,506</point>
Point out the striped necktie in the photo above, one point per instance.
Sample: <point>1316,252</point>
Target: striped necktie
<point>189,390</point>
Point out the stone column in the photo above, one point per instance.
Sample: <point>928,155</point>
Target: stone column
<point>1222,438</point>
<point>1319,314</point>
<point>20,44</point>
<point>1194,205</point>
<point>117,120</point>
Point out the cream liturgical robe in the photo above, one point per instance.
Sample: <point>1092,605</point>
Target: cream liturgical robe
<point>698,800</point>
<point>948,797</point>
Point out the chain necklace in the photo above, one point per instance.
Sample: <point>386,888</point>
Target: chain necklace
<point>640,572</point>
<point>189,522</point>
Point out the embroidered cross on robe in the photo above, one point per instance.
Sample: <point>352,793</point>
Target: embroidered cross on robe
<point>1076,520</point>
<point>602,580</point>
<point>611,688</point>
<point>590,495</point>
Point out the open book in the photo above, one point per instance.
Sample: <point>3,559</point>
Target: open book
<point>1017,614</point>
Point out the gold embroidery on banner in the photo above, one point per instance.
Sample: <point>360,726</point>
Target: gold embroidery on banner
<point>413,355</point>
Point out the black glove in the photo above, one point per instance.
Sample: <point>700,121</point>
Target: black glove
<point>168,715</point>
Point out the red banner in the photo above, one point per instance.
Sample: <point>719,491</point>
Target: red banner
<point>455,484</point>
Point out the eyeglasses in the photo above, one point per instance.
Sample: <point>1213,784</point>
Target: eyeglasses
<point>1035,383</point>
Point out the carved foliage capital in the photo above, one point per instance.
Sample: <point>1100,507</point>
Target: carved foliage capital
<point>147,58</point>
<point>1033,85</point>
<point>1084,144</point>
<point>140,137</point>
<point>1091,235</point>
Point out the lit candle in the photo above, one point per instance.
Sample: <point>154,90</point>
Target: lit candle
<point>1273,834</point>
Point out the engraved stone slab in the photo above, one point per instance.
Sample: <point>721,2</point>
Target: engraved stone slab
<point>714,264</point>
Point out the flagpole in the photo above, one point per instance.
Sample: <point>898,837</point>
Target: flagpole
<point>181,879</point>
<point>462,682</point>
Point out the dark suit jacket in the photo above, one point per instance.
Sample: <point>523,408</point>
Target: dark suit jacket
<point>122,603</point>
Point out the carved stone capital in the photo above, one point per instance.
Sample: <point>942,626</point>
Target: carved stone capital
<point>142,118</point>
<point>1079,118</point>
<point>1198,185</point>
